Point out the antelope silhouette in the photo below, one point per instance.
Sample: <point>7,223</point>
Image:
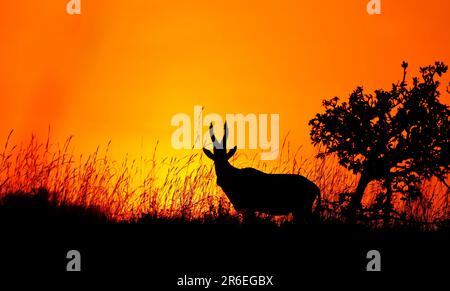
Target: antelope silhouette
<point>250,190</point>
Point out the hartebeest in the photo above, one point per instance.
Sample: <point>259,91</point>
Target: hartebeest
<point>252,191</point>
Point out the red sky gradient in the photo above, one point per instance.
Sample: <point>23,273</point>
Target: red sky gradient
<point>122,69</point>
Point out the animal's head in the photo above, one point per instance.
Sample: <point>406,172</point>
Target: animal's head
<point>219,153</point>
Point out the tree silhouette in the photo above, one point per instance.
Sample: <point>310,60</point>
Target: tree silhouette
<point>399,137</point>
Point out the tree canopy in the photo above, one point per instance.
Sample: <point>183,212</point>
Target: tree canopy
<point>399,136</point>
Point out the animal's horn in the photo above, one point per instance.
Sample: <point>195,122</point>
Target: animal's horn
<point>225,135</point>
<point>213,137</point>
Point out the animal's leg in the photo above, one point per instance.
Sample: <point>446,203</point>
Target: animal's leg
<point>249,216</point>
<point>302,215</point>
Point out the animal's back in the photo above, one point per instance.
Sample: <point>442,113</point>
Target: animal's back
<point>270,193</point>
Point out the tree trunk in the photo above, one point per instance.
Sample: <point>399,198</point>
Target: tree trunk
<point>388,202</point>
<point>364,180</point>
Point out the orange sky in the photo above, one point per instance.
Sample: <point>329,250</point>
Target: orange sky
<point>122,69</point>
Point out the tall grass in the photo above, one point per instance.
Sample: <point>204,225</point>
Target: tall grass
<point>178,187</point>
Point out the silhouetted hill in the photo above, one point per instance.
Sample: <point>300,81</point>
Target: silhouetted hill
<point>36,235</point>
<point>22,208</point>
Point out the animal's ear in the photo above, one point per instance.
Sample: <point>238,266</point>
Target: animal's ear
<point>231,152</point>
<point>208,153</point>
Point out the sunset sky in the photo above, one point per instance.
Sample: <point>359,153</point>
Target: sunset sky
<point>122,69</point>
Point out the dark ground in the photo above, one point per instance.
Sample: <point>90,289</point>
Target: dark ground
<point>36,236</point>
